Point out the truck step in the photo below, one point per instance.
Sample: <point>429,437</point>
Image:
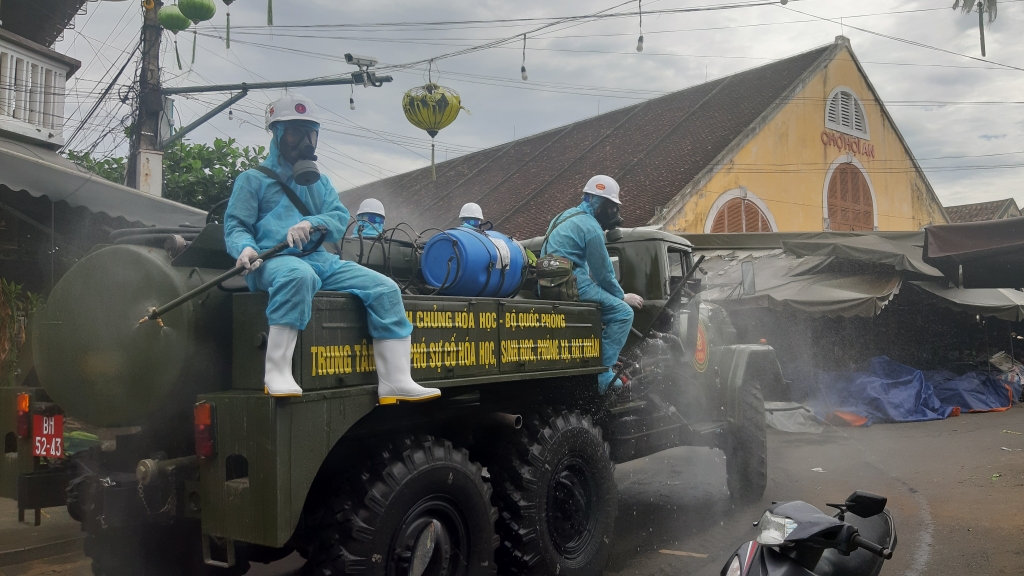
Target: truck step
<point>628,406</point>
<point>708,427</point>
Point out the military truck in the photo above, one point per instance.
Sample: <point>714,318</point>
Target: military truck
<point>510,471</point>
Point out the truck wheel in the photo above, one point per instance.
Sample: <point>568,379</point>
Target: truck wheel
<point>746,448</point>
<point>555,490</point>
<point>420,507</point>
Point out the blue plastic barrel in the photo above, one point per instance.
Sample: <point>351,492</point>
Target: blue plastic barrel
<point>466,262</point>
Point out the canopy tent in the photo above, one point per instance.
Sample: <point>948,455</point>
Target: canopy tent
<point>834,274</point>
<point>999,302</point>
<point>991,253</point>
<point>44,173</point>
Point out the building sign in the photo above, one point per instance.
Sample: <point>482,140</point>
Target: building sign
<point>850,144</point>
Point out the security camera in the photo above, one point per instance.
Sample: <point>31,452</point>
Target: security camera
<point>361,61</point>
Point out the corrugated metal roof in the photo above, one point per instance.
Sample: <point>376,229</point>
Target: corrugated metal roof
<point>654,149</point>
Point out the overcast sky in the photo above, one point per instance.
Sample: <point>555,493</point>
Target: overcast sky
<point>971,151</point>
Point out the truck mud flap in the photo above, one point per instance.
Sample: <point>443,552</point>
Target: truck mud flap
<point>42,489</point>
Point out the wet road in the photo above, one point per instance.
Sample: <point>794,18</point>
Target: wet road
<point>954,491</point>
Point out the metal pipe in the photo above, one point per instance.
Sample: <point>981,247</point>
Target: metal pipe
<point>203,119</point>
<point>269,85</point>
<point>514,421</point>
<point>149,469</point>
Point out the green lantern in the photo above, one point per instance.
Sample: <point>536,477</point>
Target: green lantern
<point>171,18</point>
<point>431,108</point>
<point>197,10</point>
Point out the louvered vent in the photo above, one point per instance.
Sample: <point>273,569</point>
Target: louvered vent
<point>845,113</point>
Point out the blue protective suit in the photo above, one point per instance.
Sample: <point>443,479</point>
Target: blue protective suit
<point>367,229</point>
<point>259,215</point>
<point>581,240</point>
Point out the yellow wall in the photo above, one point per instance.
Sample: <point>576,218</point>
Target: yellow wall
<point>786,164</point>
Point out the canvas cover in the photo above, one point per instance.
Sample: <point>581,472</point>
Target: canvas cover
<point>991,253</point>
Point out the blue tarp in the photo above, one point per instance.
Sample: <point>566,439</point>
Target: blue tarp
<point>974,391</point>
<point>887,391</point>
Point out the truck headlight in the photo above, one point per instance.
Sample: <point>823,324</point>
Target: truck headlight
<point>774,529</point>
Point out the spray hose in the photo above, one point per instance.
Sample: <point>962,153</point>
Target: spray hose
<point>156,313</point>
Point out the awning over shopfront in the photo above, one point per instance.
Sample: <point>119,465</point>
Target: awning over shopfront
<point>43,173</point>
<point>990,253</point>
<point>834,274</point>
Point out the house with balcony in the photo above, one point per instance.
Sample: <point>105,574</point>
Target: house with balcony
<point>52,212</point>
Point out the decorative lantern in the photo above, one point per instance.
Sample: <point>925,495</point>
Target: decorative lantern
<point>171,18</point>
<point>197,10</point>
<point>431,107</point>
<point>227,27</point>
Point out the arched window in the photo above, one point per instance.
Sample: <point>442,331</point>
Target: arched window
<point>850,206</point>
<point>740,215</point>
<point>845,113</point>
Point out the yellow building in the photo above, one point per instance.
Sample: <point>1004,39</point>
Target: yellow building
<point>801,144</point>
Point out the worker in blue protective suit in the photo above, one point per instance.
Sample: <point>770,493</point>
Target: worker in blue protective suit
<point>369,219</point>
<point>578,234</point>
<point>260,215</point>
<point>472,215</point>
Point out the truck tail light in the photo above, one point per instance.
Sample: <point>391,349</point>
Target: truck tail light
<point>24,416</point>
<point>205,440</point>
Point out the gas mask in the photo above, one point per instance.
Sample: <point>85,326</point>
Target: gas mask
<point>298,147</point>
<point>607,215</point>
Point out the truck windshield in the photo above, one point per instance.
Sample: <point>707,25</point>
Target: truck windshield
<point>678,261</point>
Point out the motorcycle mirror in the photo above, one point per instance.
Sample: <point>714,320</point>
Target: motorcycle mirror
<point>865,504</point>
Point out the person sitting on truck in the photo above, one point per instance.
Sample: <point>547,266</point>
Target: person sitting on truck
<point>578,234</point>
<point>369,219</point>
<point>266,208</point>
<point>471,215</point>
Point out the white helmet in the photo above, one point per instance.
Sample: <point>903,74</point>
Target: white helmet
<point>371,206</point>
<point>292,107</point>
<point>603,186</point>
<point>471,210</point>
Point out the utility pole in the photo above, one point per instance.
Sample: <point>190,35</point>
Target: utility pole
<point>145,161</point>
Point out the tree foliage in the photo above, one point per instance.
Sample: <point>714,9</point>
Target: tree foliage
<point>195,174</point>
<point>15,304</point>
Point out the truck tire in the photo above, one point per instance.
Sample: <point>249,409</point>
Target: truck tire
<point>555,490</point>
<point>412,490</point>
<point>746,448</point>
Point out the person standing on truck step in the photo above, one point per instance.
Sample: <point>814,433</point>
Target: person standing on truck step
<point>369,219</point>
<point>471,215</point>
<point>578,234</point>
<point>284,199</point>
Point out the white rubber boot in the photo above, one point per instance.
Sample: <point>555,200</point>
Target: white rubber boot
<point>394,373</point>
<point>278,379</point>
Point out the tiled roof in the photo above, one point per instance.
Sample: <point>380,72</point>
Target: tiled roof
<point>994,210</point>
<point>654,149</point>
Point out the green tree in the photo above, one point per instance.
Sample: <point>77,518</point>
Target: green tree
<point>15,304</point>
<point>195,174</point>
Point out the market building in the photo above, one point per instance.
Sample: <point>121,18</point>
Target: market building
<point>802,144</point>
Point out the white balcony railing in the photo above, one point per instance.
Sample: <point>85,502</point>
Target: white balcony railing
<point>32,84</point>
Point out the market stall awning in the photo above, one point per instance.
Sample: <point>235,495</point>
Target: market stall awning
<point>44,173</point>
<point>1003,303</point>
<point>991,252</point>
<point>782,282</point>
<point>902,256</point>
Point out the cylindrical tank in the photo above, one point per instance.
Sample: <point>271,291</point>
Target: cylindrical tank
<point>466,262</point>
<point>102,366</point>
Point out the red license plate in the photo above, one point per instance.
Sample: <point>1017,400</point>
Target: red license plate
<point>48,433</point>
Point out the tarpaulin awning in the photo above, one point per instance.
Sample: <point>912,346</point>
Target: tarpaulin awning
<point>991,253</point>
<point>781,282</point>
<point>902,256</point>
<point>1002,303</point>
<point>44,173</point>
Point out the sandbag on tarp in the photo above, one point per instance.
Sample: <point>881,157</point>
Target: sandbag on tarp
<point>972,392</point>
<point>886,391</point>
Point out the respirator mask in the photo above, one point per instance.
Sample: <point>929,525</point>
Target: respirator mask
<point>298,146</point>
<point>607,215</point>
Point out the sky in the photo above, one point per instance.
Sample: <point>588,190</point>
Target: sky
<point>961,115</point>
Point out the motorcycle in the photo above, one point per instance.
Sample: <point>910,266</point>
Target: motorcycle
<point>797,539</point>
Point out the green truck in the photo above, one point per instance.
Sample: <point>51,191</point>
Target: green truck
<point>510,471</point>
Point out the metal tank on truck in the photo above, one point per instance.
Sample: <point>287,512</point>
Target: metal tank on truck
<point>208,474</point>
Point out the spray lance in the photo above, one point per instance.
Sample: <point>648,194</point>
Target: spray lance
<point>672,298</point>
<point>156,313</point>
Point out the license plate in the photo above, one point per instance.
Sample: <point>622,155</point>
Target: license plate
<point>48,432</point>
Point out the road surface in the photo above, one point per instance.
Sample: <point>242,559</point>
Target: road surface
<point>954,487</point>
